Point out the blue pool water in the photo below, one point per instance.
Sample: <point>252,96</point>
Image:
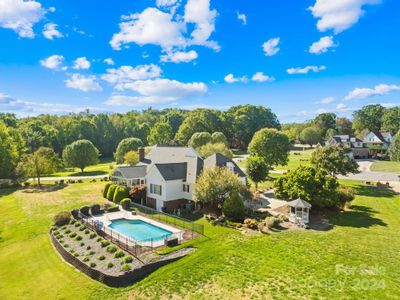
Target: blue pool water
<point>139,230</point>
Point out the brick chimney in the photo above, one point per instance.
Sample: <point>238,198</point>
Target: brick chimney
<point>141,154</point>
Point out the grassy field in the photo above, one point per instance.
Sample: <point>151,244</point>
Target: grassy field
<point>102,168</point>
<point>297,158</point>
<point>386,166</point>
<point>226,265</point>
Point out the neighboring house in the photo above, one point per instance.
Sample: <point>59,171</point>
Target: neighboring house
<point>357,147</point>
<point>170,174</point>
<point>376,139</point>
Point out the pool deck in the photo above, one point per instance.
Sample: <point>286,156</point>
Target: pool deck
<point>107,218</point>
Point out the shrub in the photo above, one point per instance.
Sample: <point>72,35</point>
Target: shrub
<point>104,243</point>
<point>119,254</point>
<point>111,191</point>
<point>92,235</point>
<point>125,203</point>
<point>95,209</point>
<point>233,207</point>
<point>76,254</point>
<point>66,245</point>
<point>68,231</point>
<point>251,223</point>
<point>87,231</point>
<point>128,259</point>
<point>77,224</point>
<point>82,228</point>
<point>62,218</point>
<point>85,210</point>
<point>345,195</point>
<point>112,249</point>
<point>92,264</point>
<point>125,268</point>
<point>271,222</point>
<point>110,265</point>
<point>138,193</point>
<point>27,183</point>
<point>101,257</point>
<point>91,252</point>
<point>72,235</point>
<point>121,192</point>
<point>78,238</point>
<point>105,189</point>
<point>86,258</point>
<point>82,244</point>
<point>88,248</point>
<point>99,239</point>
<point>56,232</point>
<point>73,221</point>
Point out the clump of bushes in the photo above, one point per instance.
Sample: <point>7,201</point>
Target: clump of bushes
<point>88,248</point>
<point>111,191</point>
<point>125,268</point>
<point>95,209</point>
<point>78,238</point>
<point>128,259</point>
<point>92,264</point>
<point>85,210</point>
<point>121,192</point>
<point>92,235</point>
<point>91,252</point>
<point>77,224</point>
<point>82,244</point>
<point>73,221</point>
<point>271,222</point>
<point>72,235</point>
<point>99,239</point>
<point>68,231</point>
<point>82,228</point>
<point>104,243</point>
<point>62,218</point>
<point>110,265</point>
<point>112,249</point>
<point>87,231</point>
<point>346,195</point>
<point>251,223</point>
<point>125,203</point>
<point>105,189</point>
<point>101,257</point>
<point>86,258</point>
<point>119,254</point>
<point>233,207</point>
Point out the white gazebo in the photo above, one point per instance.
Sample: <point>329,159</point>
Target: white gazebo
<point>299,211</point>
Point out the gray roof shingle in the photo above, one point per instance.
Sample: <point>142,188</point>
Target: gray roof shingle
<point>220,160</point>
<point>172,171</point>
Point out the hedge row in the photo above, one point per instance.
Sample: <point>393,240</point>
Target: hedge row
<point>115,193</point>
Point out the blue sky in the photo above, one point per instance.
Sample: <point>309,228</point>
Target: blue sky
<point>299,58</point>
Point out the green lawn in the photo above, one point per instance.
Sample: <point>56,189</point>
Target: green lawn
<point>386,166</point>
<point>297,158</point>
<point>226,265</point>
<point>102,168</point>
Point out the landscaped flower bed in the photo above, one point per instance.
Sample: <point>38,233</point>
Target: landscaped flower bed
<point>93,250</point>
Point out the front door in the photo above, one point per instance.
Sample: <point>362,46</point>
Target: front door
<point>160,204</point>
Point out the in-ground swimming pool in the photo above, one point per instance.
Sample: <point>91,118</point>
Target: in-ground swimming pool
<point>139,230</point>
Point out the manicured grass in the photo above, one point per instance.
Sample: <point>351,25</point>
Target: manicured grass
<point>226,265</point>
<point>386,166</point>
<point>104,167</point>
<point>297,158</point>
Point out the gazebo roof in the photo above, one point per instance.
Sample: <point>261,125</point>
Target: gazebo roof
<point>299,203</point>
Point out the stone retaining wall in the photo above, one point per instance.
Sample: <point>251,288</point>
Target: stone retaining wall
<point>122,280</point>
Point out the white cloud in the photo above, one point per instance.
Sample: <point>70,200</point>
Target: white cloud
<point>179,56</point>
<point>242,17</point>
<point>81,63</point>
<point>166,3</point>
<point>109,61</point>
<point>83,83</point>
<point>305,70</point>
<point>378,90</point>
<point>199,13</point>
<point>127,74</point>
<point>167,30</point>
<point>156,91</point>
<point>50,31</point>
<point>21,16</point>
<point>261,77</point>
<point>341,106</point>
<point>322,45</point>
<point>338,15</point>
<point>53,62</point>
<point>230,78</point>
<point>270,47</point>
<point>28,108</point>
<point>152,26</point>
<point>326,100</point>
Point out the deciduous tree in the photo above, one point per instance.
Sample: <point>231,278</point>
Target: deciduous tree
<point>256,169</point>
<point>394,149</point>
<point>334,160</point>
<point>161,133</point>
<point>80,154</point>
<point>311,136</point>
<point>211,148</point>
<point>128,144</point>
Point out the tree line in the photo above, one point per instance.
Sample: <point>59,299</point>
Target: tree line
<point>20,137</point>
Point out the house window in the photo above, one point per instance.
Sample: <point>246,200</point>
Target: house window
<point>155,189</point>
<point>230,167</point>
<point>186,188</point>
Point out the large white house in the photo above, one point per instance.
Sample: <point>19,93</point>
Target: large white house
<point>169,173</point>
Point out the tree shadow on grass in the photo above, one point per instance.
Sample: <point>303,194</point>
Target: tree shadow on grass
<point>7,191</point>
<point>44,188</point>
<point>92,173</point>
<point>358,217</point>
<point>373,191</point>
